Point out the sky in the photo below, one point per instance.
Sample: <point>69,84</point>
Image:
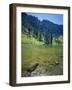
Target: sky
<point>55,18</point>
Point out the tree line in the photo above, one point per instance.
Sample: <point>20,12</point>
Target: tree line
<point>42,37</point>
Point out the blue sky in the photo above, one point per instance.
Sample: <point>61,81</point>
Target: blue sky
<point>55,18</point>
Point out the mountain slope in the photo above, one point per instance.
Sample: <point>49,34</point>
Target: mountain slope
<point>45,26</point>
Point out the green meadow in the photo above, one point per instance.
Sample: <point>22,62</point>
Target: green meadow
<point>49,58</point>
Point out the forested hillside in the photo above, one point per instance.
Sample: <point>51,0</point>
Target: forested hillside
<point>45,31</point>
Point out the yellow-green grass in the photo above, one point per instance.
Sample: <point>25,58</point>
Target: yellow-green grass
<point>30,40</point>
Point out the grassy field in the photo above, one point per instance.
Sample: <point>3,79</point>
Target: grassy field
<point>49,58</point>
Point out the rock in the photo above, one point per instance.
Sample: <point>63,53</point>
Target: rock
<point>32,68</point>
<point>57,63</point>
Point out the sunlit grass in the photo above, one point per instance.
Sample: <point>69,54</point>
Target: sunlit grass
<point>30,40</point>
